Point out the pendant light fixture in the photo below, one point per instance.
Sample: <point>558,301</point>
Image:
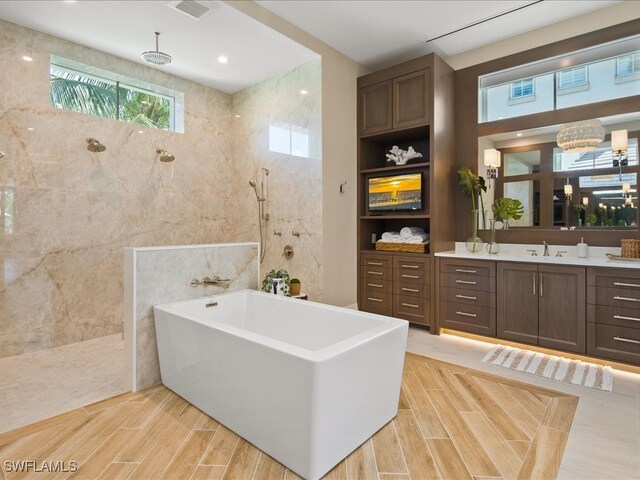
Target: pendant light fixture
<point>583,136</point>
<point>156,57</point>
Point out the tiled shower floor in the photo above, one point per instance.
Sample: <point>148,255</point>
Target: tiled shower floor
<point>38,385</point>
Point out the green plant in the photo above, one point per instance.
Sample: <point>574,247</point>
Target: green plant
<point>267,283</point>
<point>576,207</point>
<point>471,184</point>
<point>507,208</point>
<point>592,218</point>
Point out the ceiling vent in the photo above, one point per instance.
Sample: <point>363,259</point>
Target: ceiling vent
<point>196,9</point>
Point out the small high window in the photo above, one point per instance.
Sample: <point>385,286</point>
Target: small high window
<point>628,65</point>
<point>93,91</point>
<point>289,139</point>
<point>522,88</point>
<point>573,77</point>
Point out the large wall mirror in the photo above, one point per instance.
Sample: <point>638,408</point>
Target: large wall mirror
<point>595,189</point>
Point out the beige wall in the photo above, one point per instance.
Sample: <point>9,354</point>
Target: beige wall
<point>294,182</point>
<point>61,266</point>
<point>618,13</point>
<point>339,95</point>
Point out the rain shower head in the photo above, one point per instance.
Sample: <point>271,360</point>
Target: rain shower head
<point>157,57</point>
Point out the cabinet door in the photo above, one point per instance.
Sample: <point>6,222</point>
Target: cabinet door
<point>374,112</point>
<point>411,99</point>
<point>517,309</point>
<point>562,311</point>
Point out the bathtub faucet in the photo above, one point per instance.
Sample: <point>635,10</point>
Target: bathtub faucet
<point>216,280</point>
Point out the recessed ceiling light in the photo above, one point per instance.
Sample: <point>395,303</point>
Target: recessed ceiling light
<point>518,134</point>
<point>303,92</point>
<point>140,131</point>
<point>27,58</point>
<point>237,116</point>
<point>68,1</point>
<point>31,129</point>
<point>222,59</point>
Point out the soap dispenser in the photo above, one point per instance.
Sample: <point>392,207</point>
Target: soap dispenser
<point>583,249</point>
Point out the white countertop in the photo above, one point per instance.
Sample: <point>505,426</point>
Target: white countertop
<point>518,253</point>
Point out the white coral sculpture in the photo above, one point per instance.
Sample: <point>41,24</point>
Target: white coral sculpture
<point>400,157</point>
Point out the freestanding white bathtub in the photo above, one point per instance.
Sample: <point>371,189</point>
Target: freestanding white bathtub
<point>304,382</point>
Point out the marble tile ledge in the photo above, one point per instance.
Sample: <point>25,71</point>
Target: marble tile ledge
<point>517,252</point>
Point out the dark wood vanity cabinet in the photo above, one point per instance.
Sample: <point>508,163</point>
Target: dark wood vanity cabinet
<point>396,285</point>
<point>542,305</point>
<point>397,103</point>
<point>613,314</point>
<point>593,311</point>
<point>376,280</point>
<point>468,296</point>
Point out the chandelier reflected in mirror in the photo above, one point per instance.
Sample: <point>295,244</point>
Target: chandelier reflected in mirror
<point>583,136</point>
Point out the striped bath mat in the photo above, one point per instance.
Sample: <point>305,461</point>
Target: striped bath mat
<point>556,368</point>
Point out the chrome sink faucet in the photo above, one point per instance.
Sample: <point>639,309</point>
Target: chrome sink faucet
<point>546,249</point>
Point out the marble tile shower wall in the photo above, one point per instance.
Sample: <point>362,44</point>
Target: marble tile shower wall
<point>295,181</point>
<point>61,260</point>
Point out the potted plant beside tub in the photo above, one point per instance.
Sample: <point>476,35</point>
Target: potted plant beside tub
<point>280,276</point>
<point>294,286</point>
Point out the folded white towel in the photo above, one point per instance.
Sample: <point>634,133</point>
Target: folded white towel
<point>415,240</point>
<point>407,232</point>
<point>418,238</point>
<point>388,236</point>
<point>397,239</point>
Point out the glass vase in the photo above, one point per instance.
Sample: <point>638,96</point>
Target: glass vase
<point>493,247</point>
<point>474,243</point>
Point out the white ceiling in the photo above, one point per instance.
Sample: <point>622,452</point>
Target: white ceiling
<point>374,33</point>
<point>125,29</point>
<point>380,33</point>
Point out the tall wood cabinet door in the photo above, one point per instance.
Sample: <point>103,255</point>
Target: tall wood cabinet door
<point>374,112</point>
<point>411,99</point>
<point>517,302</point>
<point>562,317</point>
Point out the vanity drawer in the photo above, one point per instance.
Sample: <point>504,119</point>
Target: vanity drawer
<point>414,309</point>
<point>469,268</point>
<point>614,342</point>
<point>403,275</point>
<point>381,261</point>
<point>376,302</point>
<point>468,318</point>
<point>458,295</point>
<point>614,297</point>
<point>411,289</point>
<point>609,277</point>
<point>377,284</point>
<point>375,273</point>
<point>624,317</point>
<point>468,282</point>
<point>411,264</point>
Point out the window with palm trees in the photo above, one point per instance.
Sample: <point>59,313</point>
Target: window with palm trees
<point>111,96</point>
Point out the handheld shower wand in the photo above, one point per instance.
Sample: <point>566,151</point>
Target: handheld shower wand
<point>252,182</point>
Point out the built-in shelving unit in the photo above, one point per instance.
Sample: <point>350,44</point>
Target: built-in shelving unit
<point>410,104</point>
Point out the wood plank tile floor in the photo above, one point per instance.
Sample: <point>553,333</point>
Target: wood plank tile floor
<point>452,423</point>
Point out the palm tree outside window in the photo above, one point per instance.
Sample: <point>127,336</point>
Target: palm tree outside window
<point>84,92</point>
